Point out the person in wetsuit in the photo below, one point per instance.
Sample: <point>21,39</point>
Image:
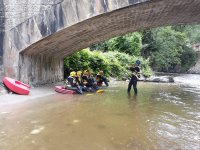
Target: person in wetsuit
<point>72,83</point>
<point>89,81</point>
<point>134,78</point>
<point>101,78</point>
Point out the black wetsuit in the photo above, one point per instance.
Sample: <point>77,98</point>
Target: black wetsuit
<point>134,78</point>
<point>74,86</point>
<point>101,79</point>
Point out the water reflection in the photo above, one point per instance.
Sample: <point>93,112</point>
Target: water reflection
<point>161,116</point>
<point>132,96</point>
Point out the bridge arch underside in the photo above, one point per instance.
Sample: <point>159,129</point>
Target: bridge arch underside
<point>42,62</point>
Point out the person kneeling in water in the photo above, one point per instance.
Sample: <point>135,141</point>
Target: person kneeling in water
<point>88,81</point>
<point>100,79</point>
<point>72,83</point>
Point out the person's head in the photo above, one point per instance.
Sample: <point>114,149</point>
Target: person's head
<point>138,62</point>
<point>73,74</point>
<point>85,72</point>
<point>101,72</point>
<point>90,72</point>
<point>79,73</point>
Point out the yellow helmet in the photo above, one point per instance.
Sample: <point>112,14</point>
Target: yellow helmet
<point>90,71</point>
<point>85,72</point>
<point>73,73</point>
<point>79,73</point>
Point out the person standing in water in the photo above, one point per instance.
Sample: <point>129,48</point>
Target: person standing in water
<point>134,78</point>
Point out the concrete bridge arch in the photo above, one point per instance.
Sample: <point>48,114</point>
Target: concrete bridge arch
<point>35,48</point>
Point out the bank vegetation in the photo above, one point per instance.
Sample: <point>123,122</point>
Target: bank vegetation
<point>165,49</point>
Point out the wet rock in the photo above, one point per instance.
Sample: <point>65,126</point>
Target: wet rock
<point>171,79</point>
<point>124,78</point>
<point>162,79</point>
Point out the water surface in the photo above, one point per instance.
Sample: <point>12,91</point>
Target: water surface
<point>161,116</point>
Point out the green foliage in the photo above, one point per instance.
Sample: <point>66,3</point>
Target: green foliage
<point>146,69</point>
<point>167,48</point>
<point>115,64</point>
<point>129,44</point>
<point>188,58</point>
<point>86,59</point>
<point>103,46</point>
<point>192,32</point>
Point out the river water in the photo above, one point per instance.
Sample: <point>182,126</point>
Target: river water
<point>161,116</point>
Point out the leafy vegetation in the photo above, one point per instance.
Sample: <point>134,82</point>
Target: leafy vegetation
<point>167,49</point>
<point>130,44</point>
<point>115,64</point>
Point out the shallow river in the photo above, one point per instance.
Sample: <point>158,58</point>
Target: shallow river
<point>162,116</point>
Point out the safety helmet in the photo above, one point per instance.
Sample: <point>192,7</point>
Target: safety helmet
<point>138,62</point>
<point>79,73</point>
<point>85,72</point>
<point>90,71</point>
<point>73,73</point>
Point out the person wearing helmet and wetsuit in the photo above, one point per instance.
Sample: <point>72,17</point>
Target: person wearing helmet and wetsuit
<point>134,78</point>
<point>88,81</point>
<point>72,83</point>
<point>101,78</point>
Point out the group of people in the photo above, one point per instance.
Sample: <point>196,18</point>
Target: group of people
<point>85,81</point>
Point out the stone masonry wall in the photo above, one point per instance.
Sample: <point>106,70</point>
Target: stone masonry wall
<point>12,14</point>
<point>18,11</point>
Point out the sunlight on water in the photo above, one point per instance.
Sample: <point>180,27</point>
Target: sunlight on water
<point>162,116</point>
<point>188,79</point>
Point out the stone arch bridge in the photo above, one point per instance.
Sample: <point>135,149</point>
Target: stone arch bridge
<point>35,36</point>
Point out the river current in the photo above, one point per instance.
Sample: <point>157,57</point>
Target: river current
<point>162,116</point>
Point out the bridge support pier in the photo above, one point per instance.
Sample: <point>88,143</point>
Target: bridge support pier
<point>35,69</point>
<point>40,70</point>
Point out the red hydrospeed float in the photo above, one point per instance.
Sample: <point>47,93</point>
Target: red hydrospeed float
<point>16,86</point>
<point>62,90</point>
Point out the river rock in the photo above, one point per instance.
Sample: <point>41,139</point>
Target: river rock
<point>163,79</point>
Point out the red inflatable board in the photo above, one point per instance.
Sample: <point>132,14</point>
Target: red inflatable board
<point>16,86</point>
<point>62,90</point>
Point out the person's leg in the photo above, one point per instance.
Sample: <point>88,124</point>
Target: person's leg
<point>73,89</point>
<point>135,88</point>
<point>105,81</point>
<point>79,90</point>
<point>91,89</point>
<point>95,87</point>
<point>129,87</point>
